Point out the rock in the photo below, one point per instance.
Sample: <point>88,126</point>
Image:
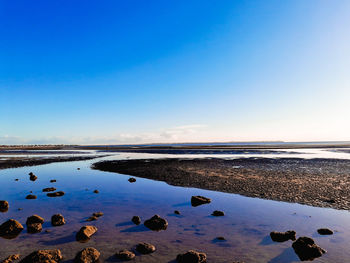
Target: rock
<point>16,179</point>
<point>10,229</point>
<point>325,231</point>
<point>34,228</point>
<point>4,206</point>
<point>136,220</point>
<point>43,256</point>
<point>125,255</point>
<point>11,258</point>
<point>55,194</point>
<point>92,218</point>
<point>32,177</point>
<point>34,224</point>
<point>78,168</point>
<point>156,223</point>
<point>221,238</point>
<point>49,189</point>
<point>53,181</point>
<point>177,212</point>
<point>57,220</point>
<point>132,180</point>
<point>98,214</point>
<point>306,249</point>
<point>85,233</point>
<point>145,248</point>
<point>218,213</point>
<point>87,255</point>
<point>282,236</point>
<point>199,200</point>
<point>34,219</point>
<point>31,197</point>
<point>96,191</point>
<point>192,256</point>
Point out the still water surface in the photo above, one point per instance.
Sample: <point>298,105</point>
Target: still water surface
<point>246,224</point>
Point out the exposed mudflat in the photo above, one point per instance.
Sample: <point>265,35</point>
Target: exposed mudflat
<point>316,182</point>
<point>14,162</point>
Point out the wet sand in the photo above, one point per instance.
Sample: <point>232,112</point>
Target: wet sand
<point>15,162</point>
<point>316,182</point>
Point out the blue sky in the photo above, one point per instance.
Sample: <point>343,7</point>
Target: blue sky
<point>94,72</point>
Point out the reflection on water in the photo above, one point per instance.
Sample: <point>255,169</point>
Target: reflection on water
<point>246,224</point>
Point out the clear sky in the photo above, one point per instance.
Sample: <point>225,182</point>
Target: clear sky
<point>91,72</point>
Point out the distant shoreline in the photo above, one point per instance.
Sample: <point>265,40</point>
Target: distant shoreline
<point>315,182</point>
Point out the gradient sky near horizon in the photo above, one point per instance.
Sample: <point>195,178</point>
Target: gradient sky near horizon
<point>95,72</point>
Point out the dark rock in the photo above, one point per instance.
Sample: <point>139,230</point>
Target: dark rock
<point>98,214</point>
<point>136,220</point>
<point>221,238</point>
<point>87,255</point>
<point>325,231</point>
<point>32,177</point>
<point>53,181</point>
<point>10,229</point>
<point>156,223</point>
<point>92,218</point>
<point>306,249</point>
<point>85,233</point>
<point>31,197</point>
<point>218,213</point>
<point>16,179</point>
<point>177,212</point>
<point>192,256</point>
<point>132,180</point>
<point>43,256</point>
<point>199,200</point>
<point>282,236</point>
<point>4,206</point>
<point>145,248</point>
<point>125,255</point>
<point>57,220</point>
<point>34,228</point>
<point>34,219</point>
<point>49,189</point>
<point>55,194</point>
<point>96,191</point>
<point>11,258</point>
<point>78,168</point>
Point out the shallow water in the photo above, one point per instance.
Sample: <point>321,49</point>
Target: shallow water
<point>246,224</point>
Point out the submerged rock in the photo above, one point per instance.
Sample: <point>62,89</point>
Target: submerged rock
<point>55,194</point>
<point>11,258</point>
<point>221,238</point>
<point>87,255</point>
<point>43,256</point>
<point>98,214</point>
<point>145,248</point>
<point>199,200</point>
<point>49,189</point>
<point>176,212</point>
<point>31,197</point>
<point>132,180</point>
<point>125,255</point>
<point>57,220</point>
<point>192,256</point>
<point>92,218</point>
<point>325,231</point>
<point>10,229</point>
<point>4,206</point>
<point>156,223</point>
<point>96,191</point>
<point>218,213</point>
<point>306,249</point>
<point>136,220</point>
<point>282,236</point>
<point>53,181</point>
<point>85,233</point>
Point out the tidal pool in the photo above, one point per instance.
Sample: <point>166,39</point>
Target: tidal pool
<point>246,224</point>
